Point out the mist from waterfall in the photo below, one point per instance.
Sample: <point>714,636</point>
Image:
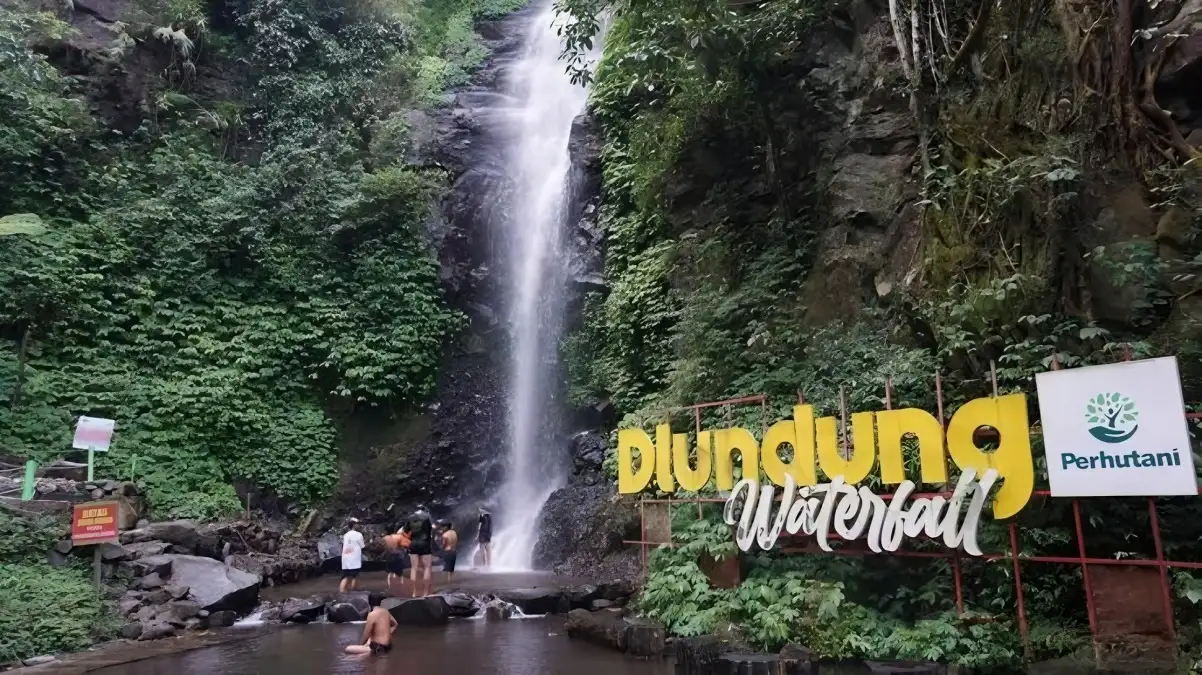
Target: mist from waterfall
<point>539,168</point>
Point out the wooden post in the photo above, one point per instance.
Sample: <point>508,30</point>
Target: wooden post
<point>91,463</point>
<point>22,360</point>
<point>31,468</point>
<point>133,467</point>
<point>96,563</point>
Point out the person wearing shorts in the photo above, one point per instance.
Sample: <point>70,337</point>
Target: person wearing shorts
<point>398,558</point>
<point>450,546</point>
<point>421,548</point>
<point>377,629</point>
<point>484,536</point>
<point>352,557</point>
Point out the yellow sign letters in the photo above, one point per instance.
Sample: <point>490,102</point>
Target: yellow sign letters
<point>815,442</point>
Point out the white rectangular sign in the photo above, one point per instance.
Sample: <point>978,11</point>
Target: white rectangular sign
<point>94,433</point>
<point>1117,430</point>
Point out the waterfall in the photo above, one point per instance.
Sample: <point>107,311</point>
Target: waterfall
<point>539,169</point>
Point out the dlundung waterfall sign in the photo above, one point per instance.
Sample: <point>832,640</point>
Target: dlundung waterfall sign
<point>815,509</point>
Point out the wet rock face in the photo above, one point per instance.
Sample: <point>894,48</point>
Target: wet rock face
<point>586,252</point>
<point>452,457</point>
<point>870,137</point>
<point>582,527</point>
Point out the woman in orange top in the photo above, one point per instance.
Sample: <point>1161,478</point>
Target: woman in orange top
<point>398,556</point>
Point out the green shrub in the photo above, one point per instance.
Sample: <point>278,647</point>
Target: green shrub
<point>29,538</point>
<point>47,610</point>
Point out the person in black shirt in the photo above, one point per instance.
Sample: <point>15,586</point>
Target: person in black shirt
<point>421,548</point>
<point>484,535</point>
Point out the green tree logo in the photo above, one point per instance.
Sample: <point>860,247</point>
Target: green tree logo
<point>1113,417</point>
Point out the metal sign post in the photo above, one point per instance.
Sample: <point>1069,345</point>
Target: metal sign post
<point>92,524</point>
<point>93,434</point>
<point>31,468</point>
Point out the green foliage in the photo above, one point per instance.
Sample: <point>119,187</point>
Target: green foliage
<point>47,610</point>
<point>222,312</point>
<point>21,223</point>
<point>27,539</point>
<point>782,600</point>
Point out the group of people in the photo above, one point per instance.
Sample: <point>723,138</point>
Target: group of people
<point>413,548</point>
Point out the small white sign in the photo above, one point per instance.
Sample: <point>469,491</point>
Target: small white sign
<point>1117,430</point>
<point>93,433</point>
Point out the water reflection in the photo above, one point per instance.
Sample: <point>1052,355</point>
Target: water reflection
<point>531,647</point>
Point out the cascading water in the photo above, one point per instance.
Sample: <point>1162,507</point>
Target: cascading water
<point>540,168</point>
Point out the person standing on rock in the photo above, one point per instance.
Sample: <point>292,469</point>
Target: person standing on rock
<point>484,536</point>
<point>377,630</point>
<point>450,545</point>
<point>421,548</point>
<point>352,557</point>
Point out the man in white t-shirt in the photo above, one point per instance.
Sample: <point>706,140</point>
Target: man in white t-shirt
<point>352,557</point>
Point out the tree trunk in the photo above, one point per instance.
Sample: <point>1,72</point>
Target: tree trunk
<point>22,358</point>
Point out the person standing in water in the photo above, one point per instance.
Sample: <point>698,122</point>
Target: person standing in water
<point>352,557</point>
<point>421,547</point>
<point>377,630</point>
<point>450,545</point>
<point>398,557</point>
<point>484,536</point>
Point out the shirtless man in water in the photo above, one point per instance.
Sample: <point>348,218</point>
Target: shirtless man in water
<point>377,631</point>
<point>450,546</point>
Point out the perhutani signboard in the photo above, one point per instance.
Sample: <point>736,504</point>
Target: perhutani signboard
<point>1117,430</point>
<point>852,512</point>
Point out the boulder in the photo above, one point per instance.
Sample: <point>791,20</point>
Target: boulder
<point>498,612</point>
<point>63,546</point>
<point>902,668</point>
<point>581,596</point>
<point>600,604</point>
<point>150,582</point>
<point>638,638</point>
<point>146,548</point>
<point>644,638</point>
<point>212,583</point>
<point>616,591</point>
<point>537,600</point>
<point>599,629</point>
<point>461,605</point>
<point>128,605</point>
<point>179,611</point>
<point>329,547</point>
<point>737,663</point>
<point>184,533</point>
<point>146,614</point>
<point>112,553</point>
<point>131,630</point>
<point>302,610</point>
<point>156,564</point>
<point>156,630</point>
<point>56,559</point>
<point>428,611</point>
<point>349,609</point>
<point>159,596</point>
<point>177,592</point>
<point>699,655</point>
<point>220,619</point>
